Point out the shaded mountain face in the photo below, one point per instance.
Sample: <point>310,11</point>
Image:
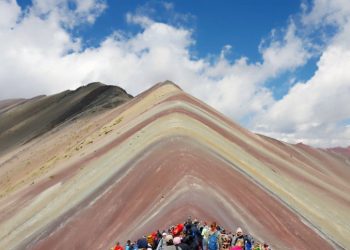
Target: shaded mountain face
<point>155,160</point>
<point>21,120</point>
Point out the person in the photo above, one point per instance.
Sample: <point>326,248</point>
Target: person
<point>196,234</point>
<point>205,236</point>
<point>128,245</point>
<point>257,246</point>
<point>179,243</point>
<point>157,237</point>
<point>188,225</point>
<point>161,242</point>
<point>118,246</point>
<point>169,244</point>
<point>134,245</point>
<point>225,239</point>
<point>242,240</point>
<point>266,247</point>
<point>142,243</point>
<point>230,238</point>
<point>150,240</point>
<point>214,237</point>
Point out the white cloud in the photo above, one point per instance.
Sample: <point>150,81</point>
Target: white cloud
<point>323,12</point>
<point>315,111</point>
<point>9,13</point>
<point>144,21</point>
<point>69,13</point>
<point>41,56</point>
<point>237,88</point>
<point>287,54</point>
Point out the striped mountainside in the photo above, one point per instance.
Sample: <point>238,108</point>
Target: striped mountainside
<point>159,158</point>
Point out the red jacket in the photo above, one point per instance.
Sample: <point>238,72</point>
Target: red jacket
<point>118,248</point>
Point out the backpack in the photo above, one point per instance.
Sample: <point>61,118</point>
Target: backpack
<point>248,242</point>
<point>213,241</point>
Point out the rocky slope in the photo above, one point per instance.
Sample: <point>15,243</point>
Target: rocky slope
<point>22,120</point>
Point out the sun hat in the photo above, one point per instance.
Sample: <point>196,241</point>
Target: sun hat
<point>168,238</point>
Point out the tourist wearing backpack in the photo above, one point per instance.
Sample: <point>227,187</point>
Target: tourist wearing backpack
<point>197,236</point>
<point>242,240</point>
<point>214,238</point>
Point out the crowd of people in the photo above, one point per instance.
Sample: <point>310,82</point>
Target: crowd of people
<point>193,235</point>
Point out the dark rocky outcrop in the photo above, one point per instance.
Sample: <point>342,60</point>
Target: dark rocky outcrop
<point>24,119</point>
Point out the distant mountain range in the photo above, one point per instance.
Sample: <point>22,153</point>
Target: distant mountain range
<point>81,169</point>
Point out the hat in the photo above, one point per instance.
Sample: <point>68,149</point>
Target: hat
<point>168,238</point>
<point>177,240</point>
<point>239,230</point>
<point>164,234</point>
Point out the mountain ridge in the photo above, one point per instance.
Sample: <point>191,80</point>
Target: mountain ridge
<point>24,119</point>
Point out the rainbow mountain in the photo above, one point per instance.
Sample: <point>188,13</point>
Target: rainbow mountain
<point>83,168</point>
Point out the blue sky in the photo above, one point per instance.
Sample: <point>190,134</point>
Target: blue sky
<point>242,23</point>
<point>279,68</point>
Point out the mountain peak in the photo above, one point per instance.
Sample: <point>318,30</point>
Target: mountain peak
<point>168,82</point>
